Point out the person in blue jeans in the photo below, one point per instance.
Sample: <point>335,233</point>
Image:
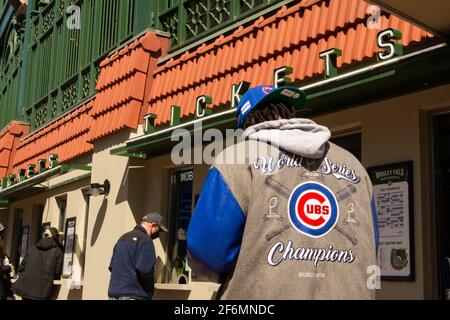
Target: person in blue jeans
<point>133,260</point>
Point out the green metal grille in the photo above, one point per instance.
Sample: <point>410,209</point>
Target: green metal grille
<point>248,5</point>
<point>170,22</point>
<point>191,20</point>
<point>63,61</point>
<point>60,64</point>
<point>10,48</point>
<point>41,114</point>
<point>220,12</point>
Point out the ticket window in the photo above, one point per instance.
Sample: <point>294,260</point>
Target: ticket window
<point>180,211</point>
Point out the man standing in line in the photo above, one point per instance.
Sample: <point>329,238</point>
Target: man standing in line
<point>296,221</point>
<point>133,261</point>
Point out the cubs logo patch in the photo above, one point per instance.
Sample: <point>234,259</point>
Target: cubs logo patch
<point>313,209</point>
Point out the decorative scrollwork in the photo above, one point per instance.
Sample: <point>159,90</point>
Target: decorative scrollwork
<point>247,5</point>
<point>41,113</point>
<point>86,84</point>
<point>169,24</point>
<point>69,96</point>
<point>220,12</point>
<point>197,15</point>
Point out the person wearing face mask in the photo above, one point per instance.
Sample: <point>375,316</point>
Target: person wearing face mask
<point>133,260</point>
<point>42,264</point>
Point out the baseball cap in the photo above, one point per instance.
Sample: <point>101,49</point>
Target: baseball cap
<point>260,95</point>
<point>155,218</point>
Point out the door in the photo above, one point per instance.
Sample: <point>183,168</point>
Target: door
<point>441,125</point>
<point>180,211</point>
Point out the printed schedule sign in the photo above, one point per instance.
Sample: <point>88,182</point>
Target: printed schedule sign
<point>69,245</point>
<point>392,192</point>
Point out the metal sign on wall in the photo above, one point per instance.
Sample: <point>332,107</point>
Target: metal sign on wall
<point>393,197</point>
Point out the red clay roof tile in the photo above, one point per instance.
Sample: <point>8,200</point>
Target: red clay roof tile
<point>121,91</point>
<point>9,140</point>
<point>294,36</point>
<point>63,132</point>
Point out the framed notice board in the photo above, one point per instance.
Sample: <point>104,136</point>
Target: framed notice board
<point>69,247</point>
<point>393,196</point>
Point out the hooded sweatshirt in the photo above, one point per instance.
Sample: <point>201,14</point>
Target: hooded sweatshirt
<point>41,265</point>
<point>285,214</point>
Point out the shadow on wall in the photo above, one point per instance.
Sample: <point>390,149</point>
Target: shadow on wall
<point>99,221</point>
<point>136,190</point>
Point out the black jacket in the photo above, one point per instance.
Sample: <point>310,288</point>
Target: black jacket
<point>41,265</point>
<point>132,266</point>
<point>5,279</point>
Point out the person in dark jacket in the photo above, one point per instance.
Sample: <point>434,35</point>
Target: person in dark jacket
<point>41,265</point>
<point>5,269</point>
<point>133,260</point>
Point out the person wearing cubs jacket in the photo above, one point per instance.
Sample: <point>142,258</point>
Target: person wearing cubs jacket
<point>284,214</point>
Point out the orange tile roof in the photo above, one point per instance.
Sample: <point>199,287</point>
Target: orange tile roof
<point>121,87</point>
<point>67,137</point>
<point>292,36</point>
<point>122,84</point>
<point>130,84</point>
<point>9,139</point>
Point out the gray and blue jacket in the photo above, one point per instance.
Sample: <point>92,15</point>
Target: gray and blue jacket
<point>294,220</point>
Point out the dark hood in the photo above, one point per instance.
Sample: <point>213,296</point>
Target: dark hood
<point>47,244</point>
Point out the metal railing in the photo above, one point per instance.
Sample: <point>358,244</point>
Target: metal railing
<point>64,52</point>
<point>11,44</point>
<point>189,20</point>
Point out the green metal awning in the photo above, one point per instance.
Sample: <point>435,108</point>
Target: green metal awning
<point>35,185</point>
<point>159,142</point>
<point>412,72</point>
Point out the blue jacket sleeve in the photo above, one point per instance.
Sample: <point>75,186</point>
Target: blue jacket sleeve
<point>215,231</point>
<point>375,225</point>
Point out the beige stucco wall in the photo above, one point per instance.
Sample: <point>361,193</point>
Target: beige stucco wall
<point>109,216</point>
<point>76,207</point>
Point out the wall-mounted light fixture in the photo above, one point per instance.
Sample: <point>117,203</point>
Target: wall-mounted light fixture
<point>97,189</point>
